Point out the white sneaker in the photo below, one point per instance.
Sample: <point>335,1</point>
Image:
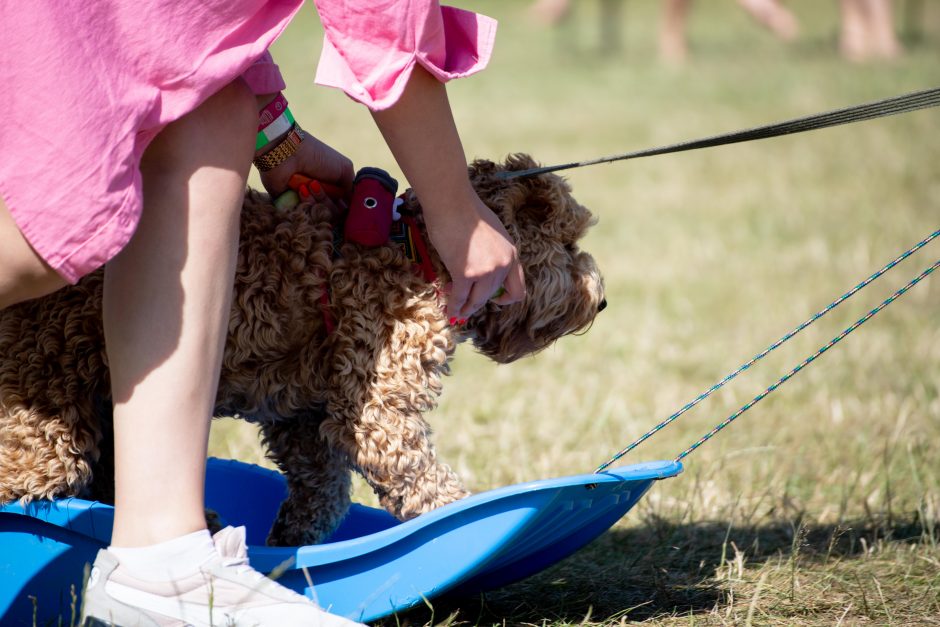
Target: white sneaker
<point>227,592</point>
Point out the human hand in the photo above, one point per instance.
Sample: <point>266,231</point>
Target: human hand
<point>478,253</point>
<point>314,159</point>
<point>471,241</point>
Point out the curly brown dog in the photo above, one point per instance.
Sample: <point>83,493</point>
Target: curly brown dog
<point>328,401</point>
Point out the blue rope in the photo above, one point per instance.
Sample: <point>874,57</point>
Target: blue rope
<point>774,346</point>
<point>810,359</point>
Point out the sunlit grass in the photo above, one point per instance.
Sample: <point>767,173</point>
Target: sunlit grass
<point>820,505</point>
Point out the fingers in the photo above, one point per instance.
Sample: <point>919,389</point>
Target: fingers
<point>513,287</point>
<point>479,294</point>
<point>467,297</point>
<point>502,288</point>
<point>321,194</point>
<point>328,165</point>
<point>311,188</point>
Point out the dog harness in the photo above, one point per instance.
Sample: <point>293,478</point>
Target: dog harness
<point>372,219</point>
<point>406,234</point>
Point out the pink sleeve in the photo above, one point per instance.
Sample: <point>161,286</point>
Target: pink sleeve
<point>370,48</point>
<point>263,76</point>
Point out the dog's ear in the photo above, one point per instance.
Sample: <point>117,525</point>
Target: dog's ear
<point>531,207</point>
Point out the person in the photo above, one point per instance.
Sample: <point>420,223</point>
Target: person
<point>127,143</point>
<point>866,28</point>
<point>673,47</point>
<point>867,31</point>
<point>610,22</point>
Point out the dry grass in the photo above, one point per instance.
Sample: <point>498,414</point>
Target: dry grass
<point>818,507</point>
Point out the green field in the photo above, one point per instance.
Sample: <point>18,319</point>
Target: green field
<point>821,505</point>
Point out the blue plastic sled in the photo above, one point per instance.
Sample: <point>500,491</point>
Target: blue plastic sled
<point>372,566</point>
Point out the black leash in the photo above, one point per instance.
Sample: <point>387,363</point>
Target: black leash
<point>857,113</point>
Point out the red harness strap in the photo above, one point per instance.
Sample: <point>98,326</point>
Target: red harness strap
<point>409,238</point>
<point>427,269</point>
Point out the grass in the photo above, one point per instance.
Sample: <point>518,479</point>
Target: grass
<point>821,505</point>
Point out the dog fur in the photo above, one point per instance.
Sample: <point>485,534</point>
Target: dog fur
<point>327,403</point>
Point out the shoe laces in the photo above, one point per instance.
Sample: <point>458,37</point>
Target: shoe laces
<point>232,548</point>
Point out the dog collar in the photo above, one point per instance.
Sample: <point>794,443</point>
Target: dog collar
<point>406,234</point>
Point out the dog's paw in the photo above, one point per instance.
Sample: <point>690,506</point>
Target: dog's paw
<point>214,522</point>
<point>300,532</point>
<point>423,502</point>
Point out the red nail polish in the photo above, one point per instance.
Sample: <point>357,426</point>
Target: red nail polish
<point>315,187</point>
<point>462,321</point>
<point>304,192</point>
<point>296,180</point>
<point>453,321</point>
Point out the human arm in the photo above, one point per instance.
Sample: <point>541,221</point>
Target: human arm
<point>313,157</point>
<point>477,251</point>
<point>394,57</point>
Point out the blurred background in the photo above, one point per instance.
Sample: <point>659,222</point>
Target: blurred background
<point>821,504</point>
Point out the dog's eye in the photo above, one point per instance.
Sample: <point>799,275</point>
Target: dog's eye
<point>370,202</point>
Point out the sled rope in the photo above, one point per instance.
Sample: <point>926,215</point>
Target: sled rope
<point>781,341</point>
<point>811,358</point>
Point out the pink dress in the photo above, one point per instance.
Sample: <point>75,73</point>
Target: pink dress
<point>88,84</point>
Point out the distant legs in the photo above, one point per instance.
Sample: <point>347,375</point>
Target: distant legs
<point>673,47</point>
<point>868,30</point>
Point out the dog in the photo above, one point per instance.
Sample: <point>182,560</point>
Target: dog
<point>335,349</point>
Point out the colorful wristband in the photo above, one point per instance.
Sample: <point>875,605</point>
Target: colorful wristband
<point>275,129</point>
<point>272,111</point>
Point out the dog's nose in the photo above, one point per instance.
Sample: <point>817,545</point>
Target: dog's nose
<point>602,306</point>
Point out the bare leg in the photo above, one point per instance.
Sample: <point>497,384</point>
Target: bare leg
<point>551,12</point>
<point>884,41</point>
<point>854,42</point>
<point>672,43</point>
<point>23,273</point>
<point>166,306</point>
<point>773,16</point>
